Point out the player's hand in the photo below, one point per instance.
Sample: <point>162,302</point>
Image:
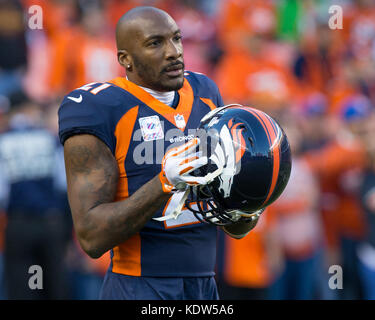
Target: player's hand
<point>177,163</point>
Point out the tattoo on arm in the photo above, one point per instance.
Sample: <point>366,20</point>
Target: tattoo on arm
<point>95,168</point>
<point>92,176</point>
<point>77,159</point>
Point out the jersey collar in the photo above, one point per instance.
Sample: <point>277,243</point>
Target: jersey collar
<point>184,106</point>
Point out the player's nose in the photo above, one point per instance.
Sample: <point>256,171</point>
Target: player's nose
<point>173,50</point>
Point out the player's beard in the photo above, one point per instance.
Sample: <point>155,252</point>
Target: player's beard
<point>154,79</point>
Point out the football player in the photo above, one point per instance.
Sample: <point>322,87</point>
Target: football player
<point>131,155</point>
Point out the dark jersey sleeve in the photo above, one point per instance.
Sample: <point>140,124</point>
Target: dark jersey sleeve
<point>89,116</point>
<point>206,88</point>
<point>214,91</point>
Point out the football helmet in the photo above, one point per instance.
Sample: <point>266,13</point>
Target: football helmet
<point>249,162</point>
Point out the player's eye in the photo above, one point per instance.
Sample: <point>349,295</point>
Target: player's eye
<point>177,38</point>
<point>154,43</point>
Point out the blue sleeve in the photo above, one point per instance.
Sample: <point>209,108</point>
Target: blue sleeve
<point>90,116</point>
<point>205,88</point>
<point>215,93</point>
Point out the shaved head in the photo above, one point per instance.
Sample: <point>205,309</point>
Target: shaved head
<point>150,49</point>
<point>133,22</point>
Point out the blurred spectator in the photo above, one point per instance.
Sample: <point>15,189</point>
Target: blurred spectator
<point>366,250</point>
<point>315,128</point>
<point>38,222</point>
<point>94,57</point>
<point>241,19</point>
<point>317,48</point>
<point>338,165</point>
<point>299,226</point>
<point>13,49</point>
<point>57,17</point>
<point>247,267</point>
<point>255,68</point>
<point>201,50</point>
<point>252,77</point>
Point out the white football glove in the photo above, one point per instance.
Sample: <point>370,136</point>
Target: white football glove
<point>177,163</point>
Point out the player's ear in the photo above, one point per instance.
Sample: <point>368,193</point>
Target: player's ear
<point>124,59</point>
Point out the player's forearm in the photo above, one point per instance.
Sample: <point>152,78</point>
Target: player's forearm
<point>113,223</point>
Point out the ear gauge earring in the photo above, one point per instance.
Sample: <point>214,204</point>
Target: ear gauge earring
<point>128,66</point>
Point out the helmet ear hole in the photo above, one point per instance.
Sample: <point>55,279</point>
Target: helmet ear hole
<point>203,190</point>
<point>251,142</point>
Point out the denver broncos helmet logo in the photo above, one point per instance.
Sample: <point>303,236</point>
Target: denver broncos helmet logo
<point>238,139</point>
<point>228,154</point>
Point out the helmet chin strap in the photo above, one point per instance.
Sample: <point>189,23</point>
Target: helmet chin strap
<point>181,197</point>
<point>238,214</point>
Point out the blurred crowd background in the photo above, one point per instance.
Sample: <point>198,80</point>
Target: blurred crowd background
<point>279,56</point>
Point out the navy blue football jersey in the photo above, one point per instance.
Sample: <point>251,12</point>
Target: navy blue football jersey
<point>138,129</point>
<point>29,158</point>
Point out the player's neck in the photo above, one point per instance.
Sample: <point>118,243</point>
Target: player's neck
<point>165,97</point>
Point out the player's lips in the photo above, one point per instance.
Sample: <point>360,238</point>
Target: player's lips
<point>175,69</point>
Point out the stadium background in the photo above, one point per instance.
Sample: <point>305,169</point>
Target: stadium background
<point>277,55</point>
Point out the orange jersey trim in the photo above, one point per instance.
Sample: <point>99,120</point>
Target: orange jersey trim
<point>126,256</point>
<point>184,106</point>
<point>123,133</point>
<point>209,103</point>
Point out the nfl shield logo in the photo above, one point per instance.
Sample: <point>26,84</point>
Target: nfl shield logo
<point>180,121</point>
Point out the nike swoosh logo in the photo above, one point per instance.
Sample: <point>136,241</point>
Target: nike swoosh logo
<point>78,100</point>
